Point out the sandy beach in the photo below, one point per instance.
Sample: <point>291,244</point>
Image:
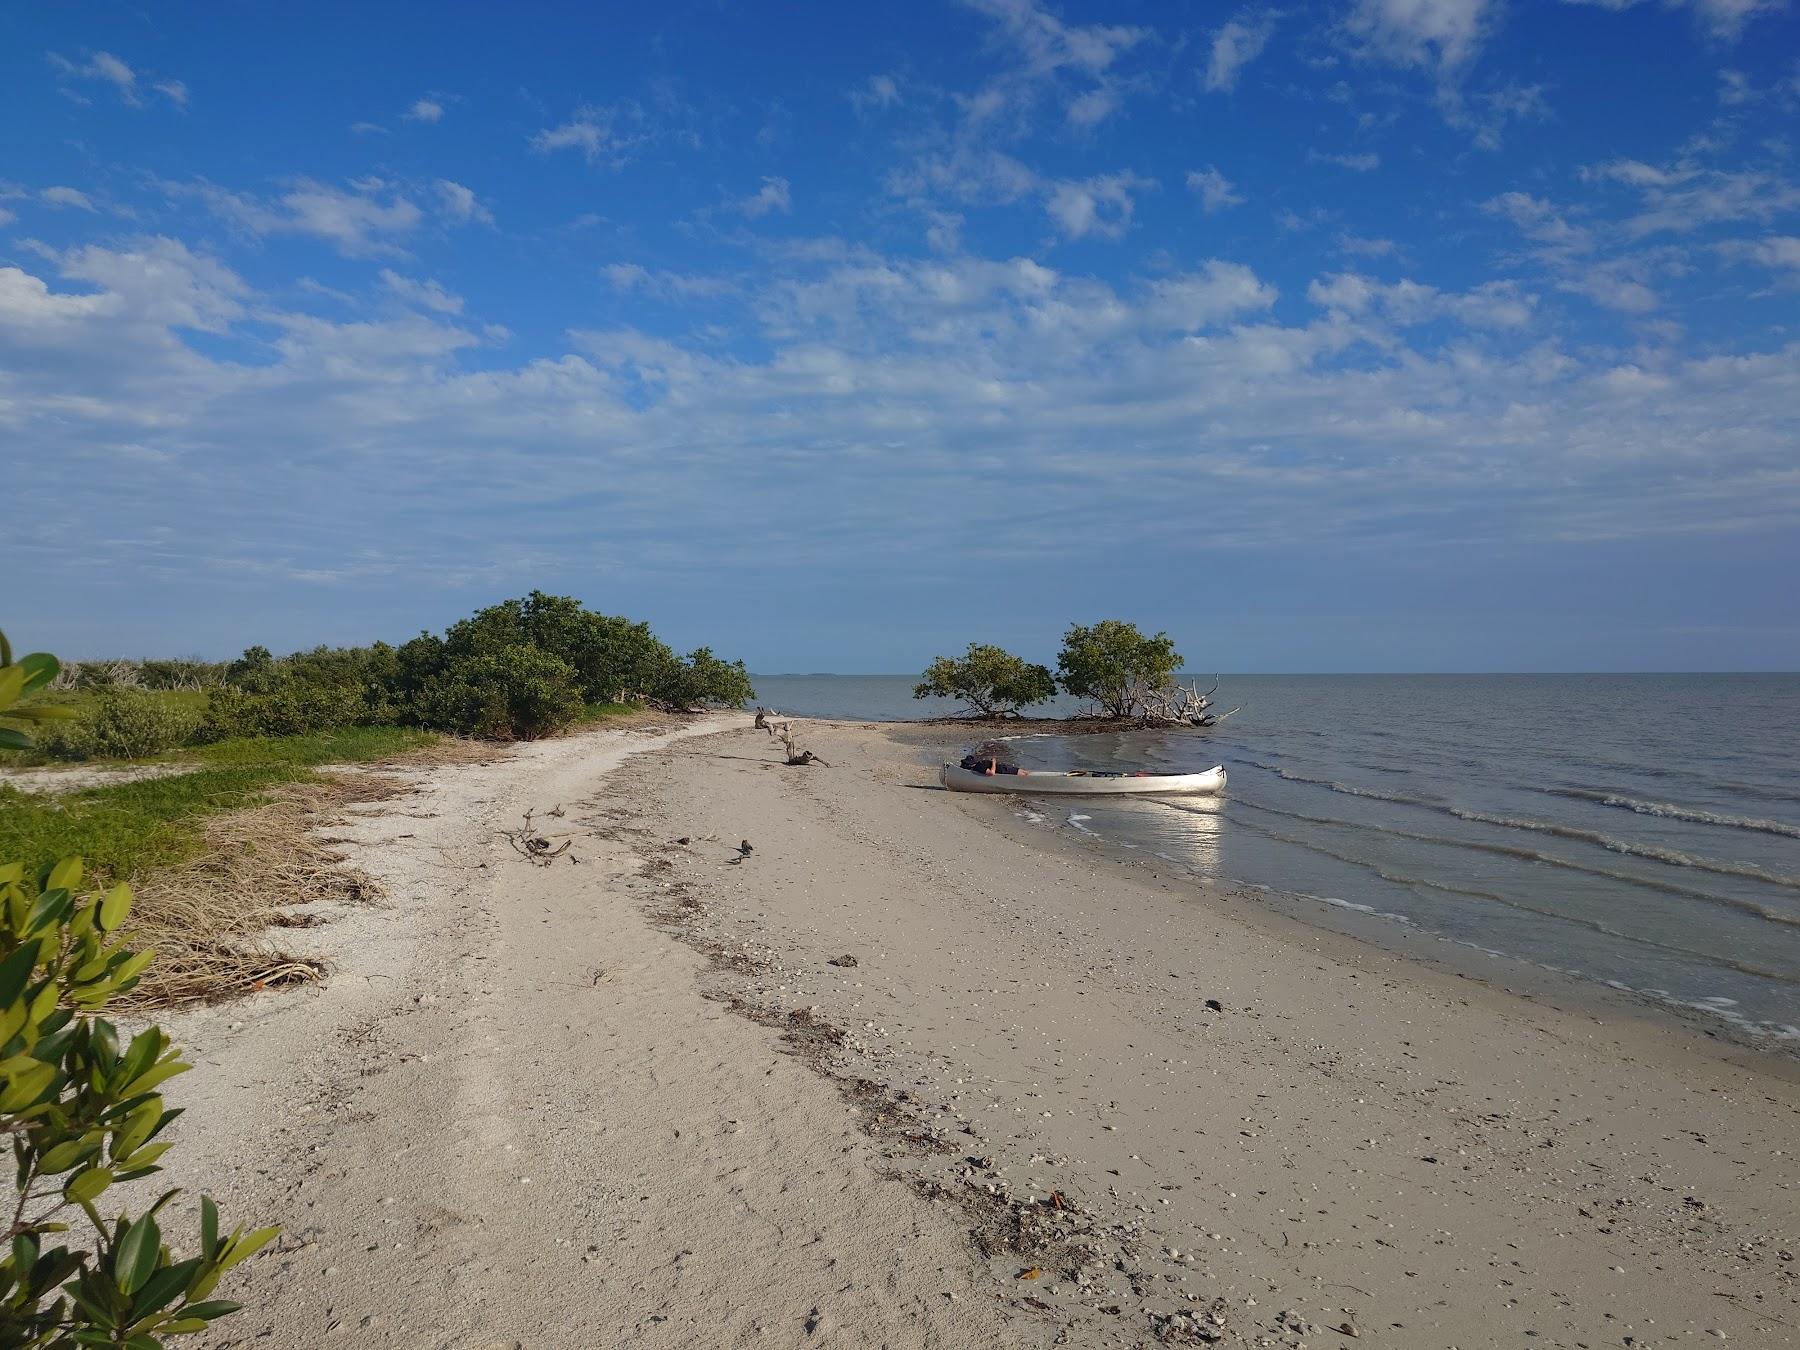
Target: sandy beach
<point>906,1076</point>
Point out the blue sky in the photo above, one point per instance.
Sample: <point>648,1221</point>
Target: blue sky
<point>1373,335</point>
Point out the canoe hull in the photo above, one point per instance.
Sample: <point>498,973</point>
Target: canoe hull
<point>1059,785</point>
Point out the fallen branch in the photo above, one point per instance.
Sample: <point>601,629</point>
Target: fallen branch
<point>534,847</point>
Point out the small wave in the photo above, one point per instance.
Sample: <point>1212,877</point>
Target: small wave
<point>1672,811</point>
<point>1523,906</point>
<point>1080,822</point>
<point>1672,856</point>
<point>1530,855</point>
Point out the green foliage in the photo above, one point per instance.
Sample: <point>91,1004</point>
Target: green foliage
<point>122,724</point>
<point>990,680</point>
<point>703,678</point>
<point>516,693</point>
<point>285,707</point>
<point>82,1110</point>
<point>1115,665</point>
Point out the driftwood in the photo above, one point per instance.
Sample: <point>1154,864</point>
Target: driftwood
<point>795,755</point>
<point>1177,704</point>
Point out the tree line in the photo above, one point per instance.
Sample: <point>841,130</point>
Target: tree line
<point>1110,663</point>
<point>517,670</point>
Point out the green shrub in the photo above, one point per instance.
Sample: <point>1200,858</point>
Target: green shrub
<point>515,693</point>
<point>990,680</point>
<point>702,679</point>
<point>287,708</point>
<point>122,724</point>
<point>80,1111</point>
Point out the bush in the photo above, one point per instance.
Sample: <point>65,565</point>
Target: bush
<point>990,680</point>
<point>289,708</point>
<point>80,1111</point>
<point>1115,665</point>
<point>516,693</point>
<point>123,724</point>
<point>702,679</point>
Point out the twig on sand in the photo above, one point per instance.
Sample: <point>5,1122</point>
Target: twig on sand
<point>534,847</point>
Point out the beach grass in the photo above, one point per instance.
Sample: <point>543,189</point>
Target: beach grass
<point>123,830</point>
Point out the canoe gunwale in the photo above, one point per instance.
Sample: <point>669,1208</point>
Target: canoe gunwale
<point>958,779</point>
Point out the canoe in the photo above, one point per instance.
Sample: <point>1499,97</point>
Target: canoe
<point>1036,783</point>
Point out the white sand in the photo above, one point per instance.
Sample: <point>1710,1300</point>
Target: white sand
<point>1354,1140</point>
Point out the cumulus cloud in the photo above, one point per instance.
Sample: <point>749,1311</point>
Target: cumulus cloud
<point>1438,35</point>
<point>1235,46</point>
<point>1214,189</point>
<point>773,195</point>
<point>1095,206</point>
<point>425,110</point>
<point>883,388</point>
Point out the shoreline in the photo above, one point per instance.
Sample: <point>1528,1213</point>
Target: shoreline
<point>1599,1176</point>
<point>1517,976</point>
<point>898,1078</point>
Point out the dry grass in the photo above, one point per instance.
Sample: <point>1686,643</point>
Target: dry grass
<point>208,918</point>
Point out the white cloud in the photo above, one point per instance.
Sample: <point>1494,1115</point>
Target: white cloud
<point>425,110</point>
<point>879,91</point>
<point>425,294</point>
<point>772,196</point>
<point>1077,60</point>
<point>66,196</point>
<point>883,388</point>
<point>1612,289</point>
<point>1216,191</point>
<point>589,131</point>
<point>159,280</point>
<point>1683,197</point>
<point>1356,163</point>
<point>1777,251</point>
<point>1235,46</point>
<point>367,221</point>
<point>1217,292</point>
<point>460,204</point>
<point>633,278</point>
<point>105,68</point>
<point>1493,305</point>
<point>1047,44</point>
<point>1094,206</point>
<point>1539,221</point>
<point>1437,35</point>
<point>7,217</point>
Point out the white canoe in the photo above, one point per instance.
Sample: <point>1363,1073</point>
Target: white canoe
<point>1036,783</point>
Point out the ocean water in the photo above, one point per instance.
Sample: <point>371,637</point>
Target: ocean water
<point>1642,831</point>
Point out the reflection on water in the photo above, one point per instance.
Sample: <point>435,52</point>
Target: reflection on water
<point>1193,833</point>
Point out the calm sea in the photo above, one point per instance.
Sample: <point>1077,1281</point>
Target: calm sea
<point>1638,830</point>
